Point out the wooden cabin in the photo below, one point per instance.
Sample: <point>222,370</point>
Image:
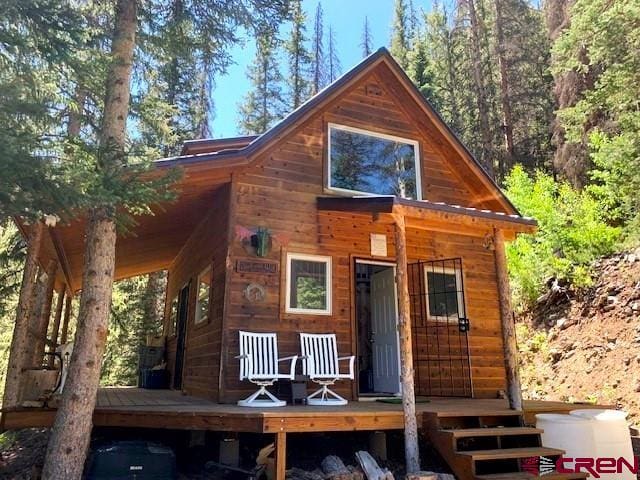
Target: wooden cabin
<point>298,230</point>
<point>290,231</point>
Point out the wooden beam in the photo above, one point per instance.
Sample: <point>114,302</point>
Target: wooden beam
<point>412,454</point>
<point>67,315</point>
<point>281,455</point>
<point>63,260</point>
<point>56,326</point>
<point>18,353</point>
<point>514,392</point>
<point>44,315</point>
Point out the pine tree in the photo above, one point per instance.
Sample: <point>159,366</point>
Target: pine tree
<point>264,104</point>
<point>420,69</point>
<point>476,55</point>
<point>367,39</point>
<point>400,34</point>
<point>333,59</point>
<point>319,61</point>
<point>298,84</point>
<point>70,435</point>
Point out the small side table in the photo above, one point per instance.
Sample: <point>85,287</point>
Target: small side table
<point>293,391</point>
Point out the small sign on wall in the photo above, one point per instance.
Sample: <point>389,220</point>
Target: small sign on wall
<point>256,266</point>
<point>378,245</point>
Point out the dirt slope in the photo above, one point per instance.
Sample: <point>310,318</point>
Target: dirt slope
<point>585,346</point>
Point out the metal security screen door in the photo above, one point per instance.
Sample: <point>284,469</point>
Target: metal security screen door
<point>439,328</point>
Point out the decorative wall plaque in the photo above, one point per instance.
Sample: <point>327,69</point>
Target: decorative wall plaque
<point>257,266</point>
<point>378,245</point>
<point>255,292</point>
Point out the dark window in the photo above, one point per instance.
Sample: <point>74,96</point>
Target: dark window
<point>375,164</point>
<point>444,295</point>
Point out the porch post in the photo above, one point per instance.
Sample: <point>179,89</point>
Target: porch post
<point>44,315</point>
<point>514,392</point>
<point>20,340</point>
<point>412,454</point>
<point>56,326</point>
<point>67,315</point>
<point>281,455</point>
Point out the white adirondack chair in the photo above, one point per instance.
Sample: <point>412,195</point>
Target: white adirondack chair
<point>259,363</point>
<point>320,362</point>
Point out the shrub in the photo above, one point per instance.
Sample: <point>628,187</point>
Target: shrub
<point>573,231</point>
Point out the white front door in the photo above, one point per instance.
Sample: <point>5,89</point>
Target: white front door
<point>384,332</point>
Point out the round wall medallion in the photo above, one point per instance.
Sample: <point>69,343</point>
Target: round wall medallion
<point>255,293</point>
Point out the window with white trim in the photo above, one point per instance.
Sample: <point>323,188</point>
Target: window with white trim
<point>204,295</point>
<point>308,284</point>
<point>370,163</point>
<point>445,298</point>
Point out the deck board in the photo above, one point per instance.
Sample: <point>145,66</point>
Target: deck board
<point>133,407</point>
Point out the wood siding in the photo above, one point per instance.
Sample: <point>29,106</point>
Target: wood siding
<point>279,192</point>
<point>207,246</point>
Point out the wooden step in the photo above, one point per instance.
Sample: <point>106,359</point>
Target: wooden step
<point>528,476</point>
<point>481,413</point>
<point>491,432</point>
<point>505,453</point>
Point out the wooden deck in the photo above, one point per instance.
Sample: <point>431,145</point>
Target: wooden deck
<point>133,407</point>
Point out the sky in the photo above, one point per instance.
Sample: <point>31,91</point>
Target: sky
<point>347,19</point>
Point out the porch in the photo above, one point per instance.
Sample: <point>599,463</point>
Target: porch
<point>506,435</point>
<point>138,408</point>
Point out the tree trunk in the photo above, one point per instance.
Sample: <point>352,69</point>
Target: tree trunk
<point>19,342</point>
<point>412,454</point>
<point>44,315</point>
<point>69,440</point>
<point>67,316</point>
<point>514,392</point>
<point>56,327</point>
<point>75,116</point>
<point>506,160</point>
<point>481,93</point>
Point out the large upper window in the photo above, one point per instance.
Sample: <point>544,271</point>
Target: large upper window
<point>308,284</point>
<point>372,163</point>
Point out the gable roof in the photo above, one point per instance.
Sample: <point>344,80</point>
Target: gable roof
<point>230,152</point>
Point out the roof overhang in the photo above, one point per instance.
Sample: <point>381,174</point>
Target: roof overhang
<point>425,215</point>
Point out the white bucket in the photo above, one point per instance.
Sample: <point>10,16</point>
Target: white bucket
<point>612,438</point>
<point>572,434</point>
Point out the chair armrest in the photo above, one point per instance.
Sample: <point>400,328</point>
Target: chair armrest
<point>287,358</point>
<point>292,369</point>
<point>242,356</point>
<point>352,359</point>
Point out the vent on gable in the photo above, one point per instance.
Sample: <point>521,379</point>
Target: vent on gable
<point>373,90</point>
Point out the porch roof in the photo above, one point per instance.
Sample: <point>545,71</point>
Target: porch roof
<point>427,215</point>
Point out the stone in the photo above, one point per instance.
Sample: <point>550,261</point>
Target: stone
<point>555,354</point>
<point>612,300</point>
<point>638,386</point>
<point>627,361</point>
<point>635,306</point>
<point>631,258</point>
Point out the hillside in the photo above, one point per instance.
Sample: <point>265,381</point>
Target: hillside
<point>585,346</point>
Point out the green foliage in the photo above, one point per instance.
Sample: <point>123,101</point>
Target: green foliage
<point>602,44</point>
<point>11,262</point>
<point>264,103</point>
<point>311,293</point>
<point>573,231</point>
<point>135,313</point>
<point>299,59</point>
